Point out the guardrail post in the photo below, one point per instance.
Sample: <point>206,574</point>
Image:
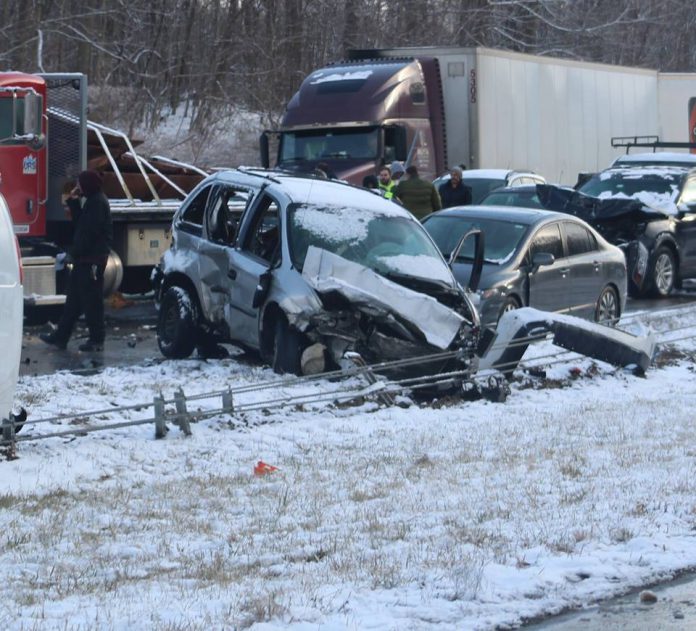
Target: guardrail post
<point>183,419</point>
<point>160,425</point>
<point>228,402</point>
<point>8,432</point>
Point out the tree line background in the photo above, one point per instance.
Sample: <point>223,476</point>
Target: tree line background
<point>215,58</point>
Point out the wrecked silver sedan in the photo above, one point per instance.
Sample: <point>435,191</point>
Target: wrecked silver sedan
<point>307,271</point>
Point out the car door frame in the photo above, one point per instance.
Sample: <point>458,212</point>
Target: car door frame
<point>586,274</point>
<point>245,270</point>
<point>548,281</point>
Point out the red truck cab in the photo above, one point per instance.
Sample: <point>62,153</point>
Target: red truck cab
<point>23,177</point>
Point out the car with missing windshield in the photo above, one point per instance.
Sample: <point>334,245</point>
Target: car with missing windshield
<point>307,272</point>
<point>483,181</point>
<point>534,258</point>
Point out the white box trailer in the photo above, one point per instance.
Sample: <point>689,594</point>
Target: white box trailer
<point>552,116</point>
<point>480,107</point>
<point>677,95</point>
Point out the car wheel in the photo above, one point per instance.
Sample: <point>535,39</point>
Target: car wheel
<point>664,272</point>
<point>177,323</point>
<point>287,347</point>
<point>511,303</point>
<point>608,309</point>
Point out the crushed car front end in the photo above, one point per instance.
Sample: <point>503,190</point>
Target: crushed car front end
<point>385,292</point>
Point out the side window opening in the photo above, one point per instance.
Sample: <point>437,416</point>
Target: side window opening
<point>194,212</point>
<point>263,238</point>
<point>224,212</point>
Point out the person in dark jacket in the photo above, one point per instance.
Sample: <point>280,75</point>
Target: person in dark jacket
<point>419,196</point>
<point>92,241</point>
<point>455,192</point>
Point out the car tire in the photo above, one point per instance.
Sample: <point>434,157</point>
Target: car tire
<point>608,307</point>
<point>663,272</point>
<point>177,323</point>
<point>287,347</point>
<point>511,303</point>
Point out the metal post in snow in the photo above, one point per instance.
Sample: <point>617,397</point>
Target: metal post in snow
<point>8,431</point>
<point>183,420</point>
<point>228,402</point>
<point>160,425</point>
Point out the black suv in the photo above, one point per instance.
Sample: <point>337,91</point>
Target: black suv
<point>649,212</point>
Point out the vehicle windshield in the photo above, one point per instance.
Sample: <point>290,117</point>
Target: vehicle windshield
<point>662,184</point>
<point>523,199</point>
<point>307,145</point>
<point>390,244</point>
<point>501,238</point>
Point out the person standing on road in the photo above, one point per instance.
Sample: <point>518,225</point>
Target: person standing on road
<point>455,192</point>
<point>92,241</point>
<point>417,195</point>
<point>386,184</point>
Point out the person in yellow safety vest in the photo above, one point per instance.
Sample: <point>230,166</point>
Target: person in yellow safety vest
<point>386,185</point>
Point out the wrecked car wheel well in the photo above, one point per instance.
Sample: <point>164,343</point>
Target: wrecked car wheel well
<point>270,315</point>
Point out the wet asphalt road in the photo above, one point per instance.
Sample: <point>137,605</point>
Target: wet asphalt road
<point>131,337</point>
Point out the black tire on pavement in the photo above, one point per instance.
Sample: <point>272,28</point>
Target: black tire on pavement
<point>608,308</point>
<point>288,345</point>
<point>663,272</point>
<point>177,323</point>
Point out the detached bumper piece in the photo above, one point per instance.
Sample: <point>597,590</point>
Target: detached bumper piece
<point>518,329</point>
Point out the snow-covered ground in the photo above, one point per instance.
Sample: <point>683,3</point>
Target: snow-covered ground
<point>458,515</point>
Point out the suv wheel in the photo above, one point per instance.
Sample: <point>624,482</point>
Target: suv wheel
<point>664,272</point>
<point>177,323</point>
<point>287,347</point>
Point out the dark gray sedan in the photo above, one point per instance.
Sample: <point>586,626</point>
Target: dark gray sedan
<point>536,258</point>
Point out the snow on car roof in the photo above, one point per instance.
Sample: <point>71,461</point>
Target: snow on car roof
<point>318,191</point>
<point>663,170</point>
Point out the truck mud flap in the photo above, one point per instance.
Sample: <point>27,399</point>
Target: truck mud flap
<point>517,329</point>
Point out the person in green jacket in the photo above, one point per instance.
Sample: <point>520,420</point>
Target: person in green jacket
<point>417,195</point>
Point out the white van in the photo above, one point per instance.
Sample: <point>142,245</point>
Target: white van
<point>11,310</point>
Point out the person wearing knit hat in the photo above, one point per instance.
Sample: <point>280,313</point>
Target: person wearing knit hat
<point>455,192</point>
<point>89,252</point>
<point>397,170</point>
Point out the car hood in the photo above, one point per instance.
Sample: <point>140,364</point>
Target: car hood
<point>596,210</point>
<point>372,293</point>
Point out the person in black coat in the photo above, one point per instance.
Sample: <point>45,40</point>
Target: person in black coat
<point>92,241</point>
<point>455,192</point>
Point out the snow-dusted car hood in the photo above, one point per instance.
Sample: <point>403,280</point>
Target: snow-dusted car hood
<point>365,288</point>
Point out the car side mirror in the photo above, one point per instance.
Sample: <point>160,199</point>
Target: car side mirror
<point>262,288</point>
<point>263,147</point>
<point>400,142</point>
<point>542,258</point>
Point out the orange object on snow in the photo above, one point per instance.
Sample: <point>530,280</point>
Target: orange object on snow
<point>262,468</point>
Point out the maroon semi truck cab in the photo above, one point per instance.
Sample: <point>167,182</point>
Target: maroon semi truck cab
<point>23,178</point>
<point>359,114</point>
